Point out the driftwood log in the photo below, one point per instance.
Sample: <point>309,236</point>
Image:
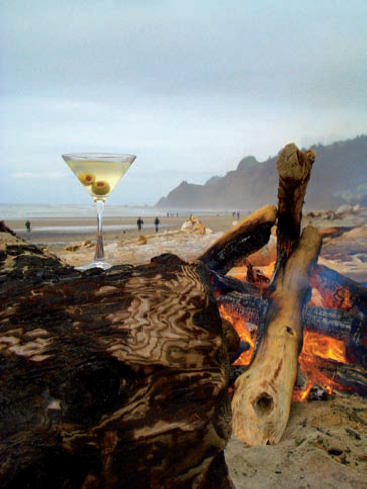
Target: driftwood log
<point>263,394</point>
<point>248,236</point>
<point>111,379</point>
<point>294,169</point>
<point>347,323</point>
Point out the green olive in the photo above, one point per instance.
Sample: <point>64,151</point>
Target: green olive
<point>86,178</point>
<point>100,188</point>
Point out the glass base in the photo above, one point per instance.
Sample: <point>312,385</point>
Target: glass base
<point>95,264</point>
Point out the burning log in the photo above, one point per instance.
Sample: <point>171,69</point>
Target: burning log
<point>336,376</point>
<point>294,169</point>
<point>334,341</point>
<point>223,284</point>
<point>338,291</point>
<point>245,238</point>
<point>110,379</point>
<point>245,306</point>
<point>343,326</point>
<point>263,394</point>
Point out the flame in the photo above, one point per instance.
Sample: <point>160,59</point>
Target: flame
<point>243,331</point>
<point>315,346</point>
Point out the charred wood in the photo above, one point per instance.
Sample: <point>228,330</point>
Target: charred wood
<point>338,291</point>
<point>224,284</point>
<point>333,323</point>
<point>344,378</point>
<point>244,306</point>
<point>245,238</point>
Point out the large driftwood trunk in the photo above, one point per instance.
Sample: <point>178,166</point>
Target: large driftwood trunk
<point>263,394</point>
<point>110,379</point>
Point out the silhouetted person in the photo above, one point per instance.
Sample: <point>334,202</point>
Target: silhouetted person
<point>139,223</point>
<point>156,223</point>
<point>28,226</point>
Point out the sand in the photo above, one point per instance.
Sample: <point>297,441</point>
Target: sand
<point>325,443</point>
<point>324,446</point>
<point>56,240</point>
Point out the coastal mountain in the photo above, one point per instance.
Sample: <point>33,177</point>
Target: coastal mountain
<point>339,176</point>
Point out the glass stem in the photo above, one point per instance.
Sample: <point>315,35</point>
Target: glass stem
<point>99,252</point>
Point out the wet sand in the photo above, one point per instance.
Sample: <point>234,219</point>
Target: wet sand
<point>344,251</point>
<point>125,228</point>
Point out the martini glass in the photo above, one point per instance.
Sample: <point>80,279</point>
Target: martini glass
<point>99,173</point>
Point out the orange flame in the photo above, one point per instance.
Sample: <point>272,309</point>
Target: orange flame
<point>243,331</point>
<point>315,346</point>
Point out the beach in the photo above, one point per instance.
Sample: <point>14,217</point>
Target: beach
<point>324,445</point>
<point>120,235</point>
<point>71,237</point>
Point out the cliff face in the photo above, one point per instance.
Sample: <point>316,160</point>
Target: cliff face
<point>339,176</point>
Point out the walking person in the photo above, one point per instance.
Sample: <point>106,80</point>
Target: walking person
<point>140,223</point>
<point>156,223</point>
<point>28,225</point>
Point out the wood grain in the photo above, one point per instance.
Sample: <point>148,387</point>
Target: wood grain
<point>263,394</point>
<point>110,379</point>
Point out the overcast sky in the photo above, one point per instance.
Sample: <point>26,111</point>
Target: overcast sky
<point>189,86</point>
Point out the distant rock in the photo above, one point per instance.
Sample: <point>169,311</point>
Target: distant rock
<point>339,177</point>
<point>246,163</point>
<point>212,180</point>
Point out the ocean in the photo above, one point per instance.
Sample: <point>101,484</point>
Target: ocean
<point>60,211</point>
<point>53,215</point>
<point>70,211</point>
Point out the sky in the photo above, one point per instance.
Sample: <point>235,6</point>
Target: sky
<point>188,86</point>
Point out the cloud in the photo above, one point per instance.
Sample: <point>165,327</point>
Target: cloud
<point>189,87</point>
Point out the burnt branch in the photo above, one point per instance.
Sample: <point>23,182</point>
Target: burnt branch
<point>245,238</point>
